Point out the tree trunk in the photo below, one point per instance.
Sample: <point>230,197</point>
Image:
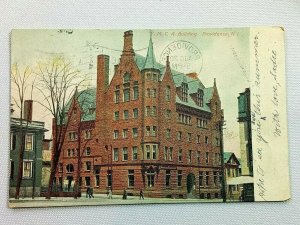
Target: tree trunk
<point>20,166</point>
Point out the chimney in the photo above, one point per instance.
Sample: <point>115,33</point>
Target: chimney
<point>102,72</point>
<point>28,110</point>
<point>193,76</point>
<point>128,47</point>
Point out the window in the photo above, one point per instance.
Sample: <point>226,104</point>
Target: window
<point>73,152</point>
<point>215,179</point>
<point>216,159</point>
<point>154,77</point>
<point>109,178</point>
<point>179,135</point>
<point>147,151</point>
<point>153,93</point>
<point>180,155</point>
<point>200,178</point>
<point>87,134</point>
<point>12,169</point>
<point>154,111</point>
<point>154,151</point>
<point>199,98</point>
<point>117,94</point>
<point>207,179</point>
<point>206,157</point>
<point>116,134</point>
<point>171,154</point>
<point>198,157</point>
<point>165,153</point>
<point>60,167</point>
<point>70,168</point>
<point>168,93</point>
<point>189,137</point>
<point>154,131</point>
<point>28,142</point>
<point>134,153</point>
<point>190,156</point>
<point>168,177</point>
<point>217,142</point>
<point>134,132</point>
<point>116,154</point>
<point>126,77</point>
<point>135,113</point>
<point>73,136</point>
<point>87,181</point>
<point>130,178</point>
<point>125,133</point>
<point>13,141</point>
<point>179,178</point>
<point>147,131</point>
<point>69,152</point>
<point>88,151</point>
<point>125,154</point>
<point>97,180</point>
<point>126,115</point>
<point>135,90</point>
<point>184,92</point>
<point>147,110</point>
<point>148,92</point>
<point>150,179</point>
<point>126,93</point>
<point>206,140</point>
<point>148,76</point>
<point>168,133</point>
<point>168,114</point>
<point>88,166</point>
<point>198,139</point>
<point>116,116</point>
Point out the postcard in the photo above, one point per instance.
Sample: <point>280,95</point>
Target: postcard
<point>103,117</point>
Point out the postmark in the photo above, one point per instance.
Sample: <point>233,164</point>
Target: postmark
<point>184,56</point>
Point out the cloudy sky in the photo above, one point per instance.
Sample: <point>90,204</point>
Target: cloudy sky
<point>212,53</point>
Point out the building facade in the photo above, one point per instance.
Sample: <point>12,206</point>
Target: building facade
<point>33,132</point>
<point>244,120</point>
<point>150,128</point>
<point>232,170</point>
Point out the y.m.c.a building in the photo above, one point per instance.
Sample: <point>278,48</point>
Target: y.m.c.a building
<point>150,128</point>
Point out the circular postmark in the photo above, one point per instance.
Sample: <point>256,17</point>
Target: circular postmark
<point>184,56</point>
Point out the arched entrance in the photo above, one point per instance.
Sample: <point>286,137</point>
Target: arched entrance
<point>190,183</point>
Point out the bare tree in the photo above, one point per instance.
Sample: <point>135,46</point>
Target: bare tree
<point>57,81</point>
<point>21,83</point>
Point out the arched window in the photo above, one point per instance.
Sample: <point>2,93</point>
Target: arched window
<point>168,93</point>
<point>70,168</point>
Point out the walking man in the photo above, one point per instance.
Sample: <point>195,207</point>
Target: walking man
<point>109,194</point>
<point>141,194</point>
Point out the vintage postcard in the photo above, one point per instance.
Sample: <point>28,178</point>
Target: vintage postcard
<point>101,117</point>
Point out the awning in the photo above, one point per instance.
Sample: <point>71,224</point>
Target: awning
<point>239,180</point>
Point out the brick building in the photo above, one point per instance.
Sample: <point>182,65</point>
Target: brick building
<point>150,128</point>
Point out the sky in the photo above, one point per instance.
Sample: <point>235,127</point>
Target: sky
<point>211,53</point>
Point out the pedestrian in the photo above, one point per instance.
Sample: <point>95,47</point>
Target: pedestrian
<point>91,194</point>
<point>141,194</point>
<point>87,191</point>
<point>124,194</point>
<point>109,193</point>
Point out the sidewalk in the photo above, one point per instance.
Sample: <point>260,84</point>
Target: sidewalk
<point>99,199</point>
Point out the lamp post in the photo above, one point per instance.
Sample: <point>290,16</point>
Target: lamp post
<point>109,161</point>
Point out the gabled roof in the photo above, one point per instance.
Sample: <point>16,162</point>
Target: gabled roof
<point>87,102</point>
<point>228,155</point>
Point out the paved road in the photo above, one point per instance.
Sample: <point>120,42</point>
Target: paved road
<point>99,199</point>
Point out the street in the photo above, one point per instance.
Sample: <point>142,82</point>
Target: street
<point>99,199</point>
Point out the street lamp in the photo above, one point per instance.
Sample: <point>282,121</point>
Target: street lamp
<point>110,165</point>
